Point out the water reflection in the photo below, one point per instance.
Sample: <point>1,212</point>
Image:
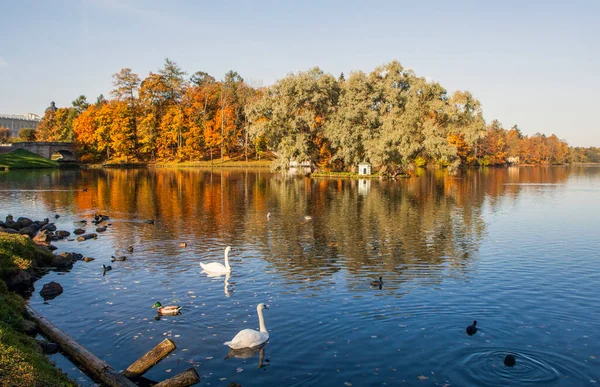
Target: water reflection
<point>227,287</point>
<point>498,245</point>
<point>247,353</point>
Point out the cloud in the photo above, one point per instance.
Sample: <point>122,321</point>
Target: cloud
<point>3,62</point>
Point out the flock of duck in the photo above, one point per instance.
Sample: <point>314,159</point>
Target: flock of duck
<point>250,338</point>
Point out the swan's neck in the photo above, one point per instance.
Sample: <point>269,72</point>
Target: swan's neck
<point>261,322</point>
<point>227,259</point>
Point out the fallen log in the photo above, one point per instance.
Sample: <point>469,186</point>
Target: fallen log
<point>85,237</point>
<point>153,356</point>
<point>96,367</point>
<point>186,378</point>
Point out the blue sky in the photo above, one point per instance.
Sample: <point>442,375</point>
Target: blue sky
<point>530,63</point>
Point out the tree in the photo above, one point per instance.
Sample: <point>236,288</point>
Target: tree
<point>4,134</point>
<point>291,115</point>
<point>126,85</point>
<point>27,134</point>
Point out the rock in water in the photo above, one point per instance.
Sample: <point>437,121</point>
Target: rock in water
<point>51,290</point>
<point>63,260</point>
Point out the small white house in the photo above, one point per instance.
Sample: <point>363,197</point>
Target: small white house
<point>364,168</point>
<point>303,167</point>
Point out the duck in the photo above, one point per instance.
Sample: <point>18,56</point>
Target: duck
<point>121,258</point>
<point>250,338</point>
<point>150,221</point>
<point>56,216</point>
<point>106,268</point>
<point>217,267</point>
<point>268,215</point>
<point>169,309</point>
<point>307,217</point>
<point>472,329</point>
<point>377,282</point>
<point>130,249</point>
<point>510,360</point>
<point>183,244</point>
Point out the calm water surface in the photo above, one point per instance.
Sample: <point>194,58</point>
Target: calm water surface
<point>516,249</point>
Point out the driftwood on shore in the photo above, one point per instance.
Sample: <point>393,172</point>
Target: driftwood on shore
<point>144,363</point>
<point>187,378</point>
<point>95,366</point>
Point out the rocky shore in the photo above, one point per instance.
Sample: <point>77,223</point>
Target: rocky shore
<point>25,256</point>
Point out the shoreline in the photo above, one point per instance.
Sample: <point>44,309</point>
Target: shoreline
<point>22,359</point>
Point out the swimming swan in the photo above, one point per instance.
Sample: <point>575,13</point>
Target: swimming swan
<point>249,338</point>
<point>217,267</point>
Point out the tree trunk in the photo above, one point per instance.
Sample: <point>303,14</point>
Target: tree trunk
<point>144,363</point>
<point>96,367</point>
<point>184,379</point>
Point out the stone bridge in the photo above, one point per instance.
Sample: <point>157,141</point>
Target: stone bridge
<point>60,151</point>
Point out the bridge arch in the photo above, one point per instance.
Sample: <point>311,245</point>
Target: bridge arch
<point>63,151</point>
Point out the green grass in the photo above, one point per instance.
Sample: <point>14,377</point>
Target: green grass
<point>22,159</point>
<point>19,252</point>
<point>344,175</point>
<point>21,361</point>
<point>217,164</point>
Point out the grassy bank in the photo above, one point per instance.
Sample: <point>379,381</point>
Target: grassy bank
<point>344,175</point>
<point>216,164</point>
<point>22,159</point>
<point>21,361</point>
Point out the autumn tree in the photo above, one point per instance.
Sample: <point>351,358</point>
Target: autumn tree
<point>292,113</point>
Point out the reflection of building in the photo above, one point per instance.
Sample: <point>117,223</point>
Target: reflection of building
<point>364,168</point>
<point>14,123</point>
<point>304,167</point>
<point>364,185</point>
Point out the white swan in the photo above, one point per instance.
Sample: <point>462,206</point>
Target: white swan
<point>217,267</point>
<point>249,338</point>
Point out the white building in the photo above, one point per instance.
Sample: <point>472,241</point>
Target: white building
<point>364,168</point>
<point>15,122</point>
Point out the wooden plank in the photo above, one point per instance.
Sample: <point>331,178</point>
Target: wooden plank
<point>96,367</point>
<point>153,356</point>
<point>186,378</point>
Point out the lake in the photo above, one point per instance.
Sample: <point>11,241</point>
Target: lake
<point>517,249</point>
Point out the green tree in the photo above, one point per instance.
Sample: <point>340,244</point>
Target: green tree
<point>27,134</point>
<point>291,115</point>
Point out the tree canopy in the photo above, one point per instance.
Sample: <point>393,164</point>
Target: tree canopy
<point>390,117</point>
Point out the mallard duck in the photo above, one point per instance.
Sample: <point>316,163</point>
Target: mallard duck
<point>121,258</point>
<point>169,309</point>
<point>378,282</point>
<point>472,329</point>
<point>183,244</point>
<point>130,249</point>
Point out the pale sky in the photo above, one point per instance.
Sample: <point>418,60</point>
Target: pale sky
<point>530,63</point>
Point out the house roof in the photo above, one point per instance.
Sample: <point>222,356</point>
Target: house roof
<point>364,163</point>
